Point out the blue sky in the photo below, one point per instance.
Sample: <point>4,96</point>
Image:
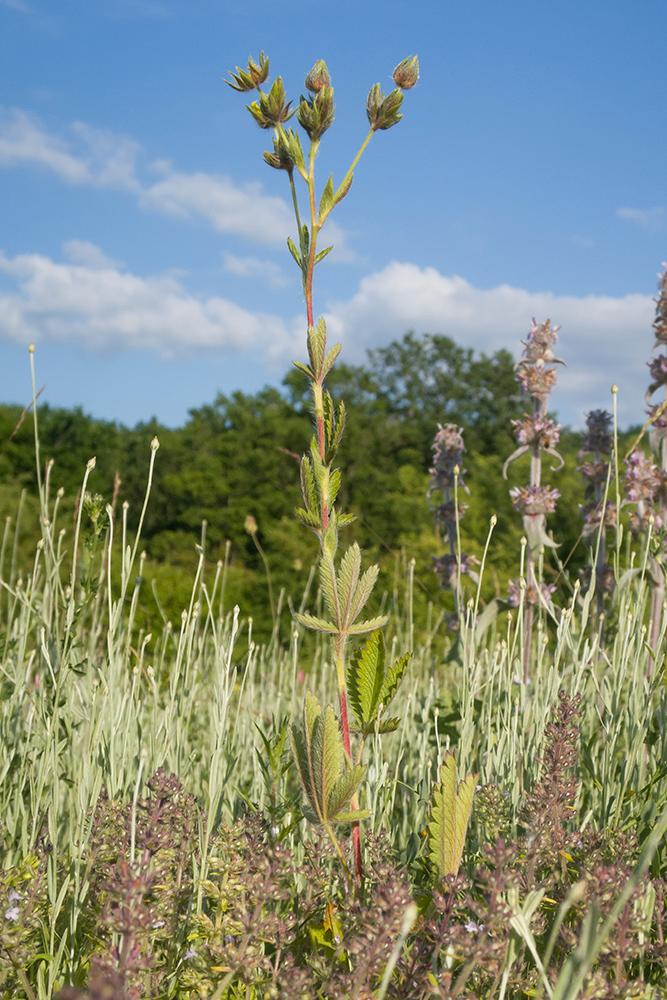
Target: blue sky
<point>142,238</point>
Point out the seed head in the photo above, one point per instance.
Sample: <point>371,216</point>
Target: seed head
<point>406,73</point>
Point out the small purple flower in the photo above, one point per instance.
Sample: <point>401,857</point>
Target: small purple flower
<point>447,568</point>
<point>190,953</point>
<point>472,928</point>
<point>531,594</point>
<point>598,437</point>
<point>538,343</point>
<point>660,323</point>
<point>536,380</point>
<point>533,500</point>
<point>12,913</point>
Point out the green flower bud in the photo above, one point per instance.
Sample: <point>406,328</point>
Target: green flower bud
<point>281,158</point>
<point>316,114</point>
<point>318,77</point>
<point>271,109</point>
<point>245,80</point>
<point>406,73</point>
<point>383,111</point>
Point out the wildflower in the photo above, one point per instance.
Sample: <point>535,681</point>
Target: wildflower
<point>532,596</point>
<point>535,431</point>
<point>532,500</point>
<point>12,913</point>
<point>598,436</point>
<point>536,380</point>
<point>273,108</point>
<point>537,345</point>
<point>660,323</point>
<point>318,77</point>
<point>472,928</point>
<point>383,112</point>
<point>447,567</point>
<point>190,953</point>
<point>406,73</point>
<point>595,514</point>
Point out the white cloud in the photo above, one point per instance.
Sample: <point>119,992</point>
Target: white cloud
<point>83,252</point>
<point>104,159</point>
<point>104,309</point>
<point>265,271</point>
<point>604,339</point>
<point>93,302</point>
<point>647,218</point>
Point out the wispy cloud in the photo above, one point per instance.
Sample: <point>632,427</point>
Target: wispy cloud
<point>585,242</point>
<point>265,271</point>
<point>104,308</point>
<point>103,159</point>
<point>93,301</point>
<point>651,219</point>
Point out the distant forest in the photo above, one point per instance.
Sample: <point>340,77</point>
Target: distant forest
<point>239,456</point>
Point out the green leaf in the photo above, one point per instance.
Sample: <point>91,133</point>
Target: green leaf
<point>362,592</point>
<point>348,575</point>
<point>309,487</point>
<point>393,678</point>
<point>327,200</point>
<point>365,677</point>
<point>343,189</point>
<point>328,779</point>
<point>343,790</point>
<point>334,486</point>
<point>304,242</point>
<point>317,624</point>
<point>330,359</point>
<point>367,626</point>
<point>343,520</point>
<point>329,586</point>
<point>322,254</point>
<point>291,246</point>
<point>307,371</point>
<point>353,816</point>
<point>307,518</point>
<point>451,806</point>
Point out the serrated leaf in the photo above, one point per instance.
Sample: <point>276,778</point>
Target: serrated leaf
<point>388,725</point>
<point>365,677</point>
<point>317,624</point>
<point>329,586</point>
<point>362,592</point>
<point>317,341</point>
<point>326,201</point>
<point>344,519</point>
<point>330,359</point>
<point>353,816</point>
<point>291,246</point>
<point>451,805</point>
<point>307,518</point>
<point>340,424</point>
<point>334,486</point>
<point>309,486</point>
<point>327,758</point>
<point>328,414</point>
<point>348,575</point>
<point>343,790</point>
<point>368,626</point>
<point>393,678</point>
<point>301,760</point>
<point>322,254</point>
<point>305,369</point>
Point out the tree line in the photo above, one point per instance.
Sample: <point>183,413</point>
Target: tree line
<point>238,456</point>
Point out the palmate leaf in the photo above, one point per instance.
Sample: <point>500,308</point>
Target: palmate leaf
<point>372,686</point>
<point>451,805</point>
<point>327,777</point>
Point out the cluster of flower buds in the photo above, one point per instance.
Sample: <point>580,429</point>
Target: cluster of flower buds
<point>536,433</point>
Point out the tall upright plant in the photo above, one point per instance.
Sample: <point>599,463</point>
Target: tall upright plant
<point>322,749</point>
<point>536,434</point>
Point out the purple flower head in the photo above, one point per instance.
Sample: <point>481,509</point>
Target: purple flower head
<point>538,344</point>
<point>448,448</point>
<point>595,514</point>
<point>531,594</point>
<point>598,436</point>
<point>605,581</point>
<point>536,380</point>
<point>447,568</point>
<point>660,324</point>
<point>537,429</point>
<point>446,514</point>
<point>533,500</point>
<point>640,477</point>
